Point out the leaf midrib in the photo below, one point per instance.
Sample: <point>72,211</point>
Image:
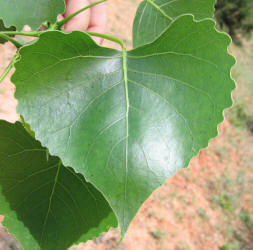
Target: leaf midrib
<point>159,9</point>
<point>125,77</point>
<point>50,200</point>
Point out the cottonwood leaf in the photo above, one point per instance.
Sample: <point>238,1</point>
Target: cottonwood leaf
<point>126,120</point>
<point>3,28</point>
<point>154,16</point>
<point>29,12</point>
<point>46,205</point>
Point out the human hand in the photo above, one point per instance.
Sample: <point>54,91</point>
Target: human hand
<point>93,19</point>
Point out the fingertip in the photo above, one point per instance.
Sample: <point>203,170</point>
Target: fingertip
<point>60,17</point>
<point>96,29</point>
<point>98,40</point>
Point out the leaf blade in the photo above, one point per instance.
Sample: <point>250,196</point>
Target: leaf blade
<point>18,13</point>
<point>154,16</point>
<point>127,167</point>
<point>3,28</point>
<point>46,205</point>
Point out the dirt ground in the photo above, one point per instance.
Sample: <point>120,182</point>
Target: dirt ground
<point>207,206</point>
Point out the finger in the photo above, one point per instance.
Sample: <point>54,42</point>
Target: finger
<point>98,19</point>
<point>80,21</point>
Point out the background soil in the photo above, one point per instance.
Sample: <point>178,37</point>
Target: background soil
<point>207,206</point>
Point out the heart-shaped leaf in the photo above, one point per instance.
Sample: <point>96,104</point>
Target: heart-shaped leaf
<point>3,28</point>
<point>154,16</point>
<point>46,205</point>
<point>126,120</point>
<point>29,12</point>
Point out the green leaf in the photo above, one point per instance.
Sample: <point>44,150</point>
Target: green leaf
<point>29,12</point>
<point>46,205</point>
<point>126,121</point>
<point>154,16</point>
<point>3,28</point>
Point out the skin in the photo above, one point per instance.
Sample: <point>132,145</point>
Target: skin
<point>93,19</point>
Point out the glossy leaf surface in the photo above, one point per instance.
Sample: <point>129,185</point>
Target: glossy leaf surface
<point>46,205</point>
<point>154,16</point>
<point>29,12</point>
<point>3,28</point>
<point>126,121</point>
